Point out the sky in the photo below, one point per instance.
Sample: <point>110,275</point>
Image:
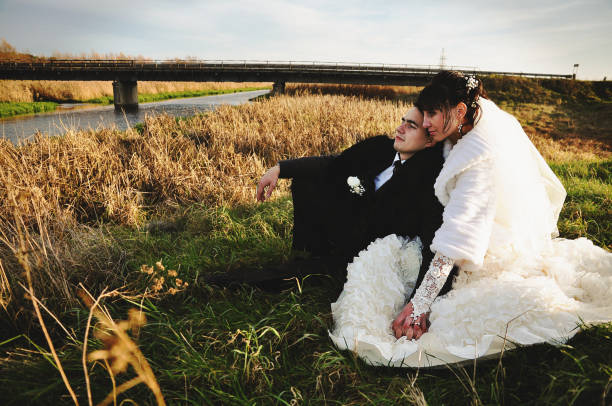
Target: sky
<point>523,36</point>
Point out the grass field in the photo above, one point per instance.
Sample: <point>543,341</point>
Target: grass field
<point>89,209</point>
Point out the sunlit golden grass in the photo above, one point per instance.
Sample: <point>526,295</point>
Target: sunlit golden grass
<point>377,91</point>
<point>62,198</point>
<point>35,90</point>
<point>212,157</point>
<point>86,177</point>
<point>120,349</point>
<point>69,183</point>
<point>566,132</point>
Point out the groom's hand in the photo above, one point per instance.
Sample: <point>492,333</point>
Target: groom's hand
<point>268,181</point>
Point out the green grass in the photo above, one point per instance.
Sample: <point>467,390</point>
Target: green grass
<point>588,208</point>
<point>9,109</point>
<point>146,98</point>
<point>208,240</point>
<point>244,346</point>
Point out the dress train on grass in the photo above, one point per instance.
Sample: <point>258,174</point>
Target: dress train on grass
<point>521,301</point>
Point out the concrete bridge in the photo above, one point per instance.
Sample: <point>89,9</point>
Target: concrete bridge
<point>125,74</point>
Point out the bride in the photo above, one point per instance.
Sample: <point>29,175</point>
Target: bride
<point>517,282</point>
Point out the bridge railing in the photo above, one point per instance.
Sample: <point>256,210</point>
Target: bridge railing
<point>267,65</point>
<point>70,63</point>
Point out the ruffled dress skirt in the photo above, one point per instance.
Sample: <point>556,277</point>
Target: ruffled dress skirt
<point>518,301</point>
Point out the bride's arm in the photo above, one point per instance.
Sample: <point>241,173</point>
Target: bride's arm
<point>463,236</point>
<point>435,278</point>
<point>411,322</point>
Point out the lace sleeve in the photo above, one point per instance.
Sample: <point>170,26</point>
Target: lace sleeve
<point>432,283</point>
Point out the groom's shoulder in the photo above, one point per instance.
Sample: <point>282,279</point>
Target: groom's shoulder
<point>434,153</point>
<point>371,145</point>
<point>430,159</point>
<point>379,140</point>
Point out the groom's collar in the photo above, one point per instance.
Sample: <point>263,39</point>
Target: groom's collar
<point>397,158</point>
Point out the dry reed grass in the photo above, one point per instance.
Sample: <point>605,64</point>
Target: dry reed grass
<point>34,254</point>
<point>215,158</point>
<point>120,349</point>
<point>375,91</point>
<point>38,90</point>
<point>54,189</point>
<point>567,132</point>
<point>23,246</point>
<point>84,177</point>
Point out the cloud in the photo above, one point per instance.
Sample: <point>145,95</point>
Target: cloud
<point>522,35</point>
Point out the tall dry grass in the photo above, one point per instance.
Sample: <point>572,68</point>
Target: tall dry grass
<point>58,191</point>
<point>567,132</point>
<point>38,90</point>
<point>106,175</point>
<point>74,181</point>
<point>372,91</point>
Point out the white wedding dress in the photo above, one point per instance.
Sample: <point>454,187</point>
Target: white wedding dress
<point>517,284</point>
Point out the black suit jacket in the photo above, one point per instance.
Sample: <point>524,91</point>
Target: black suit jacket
<point>330,219</point>
<point>334,223</point>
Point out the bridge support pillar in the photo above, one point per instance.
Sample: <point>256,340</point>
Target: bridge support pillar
<point>278,88</point>
<point>125,95</point>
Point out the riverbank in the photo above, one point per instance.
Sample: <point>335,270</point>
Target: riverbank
<point>26,97</point>
<point>13,109</point>
<point>153,97</point>
<point>94,206</point>
<point>8,109</point>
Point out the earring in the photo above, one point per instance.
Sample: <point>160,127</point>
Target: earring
<point>459,127</point>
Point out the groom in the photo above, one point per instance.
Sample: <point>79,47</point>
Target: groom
<point>377,187</point>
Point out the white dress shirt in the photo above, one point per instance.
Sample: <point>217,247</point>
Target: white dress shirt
<point>385,175</point>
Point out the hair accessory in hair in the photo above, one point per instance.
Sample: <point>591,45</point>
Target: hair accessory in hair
<point>474,103</point>
<point>472,82</point>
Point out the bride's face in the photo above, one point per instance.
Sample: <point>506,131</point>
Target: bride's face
<point>438,125</point>
<point>442,124</point>
<point>410,136</point>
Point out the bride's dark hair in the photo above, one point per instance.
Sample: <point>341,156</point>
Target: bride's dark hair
<point>449,88</point>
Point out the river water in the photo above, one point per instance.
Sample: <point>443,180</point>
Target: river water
<point>78,116</point>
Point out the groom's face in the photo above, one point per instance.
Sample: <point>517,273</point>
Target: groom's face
<point>410,136</point>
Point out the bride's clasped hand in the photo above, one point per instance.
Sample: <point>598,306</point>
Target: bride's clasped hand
<point>405,325</point>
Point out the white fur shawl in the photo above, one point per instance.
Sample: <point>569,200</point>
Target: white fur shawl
<point>465,187</point>
<point>494,180</point>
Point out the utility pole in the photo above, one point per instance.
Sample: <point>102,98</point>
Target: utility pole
<point>442,60</point>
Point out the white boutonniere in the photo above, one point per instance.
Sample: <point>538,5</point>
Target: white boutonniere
<point>355,185</point>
